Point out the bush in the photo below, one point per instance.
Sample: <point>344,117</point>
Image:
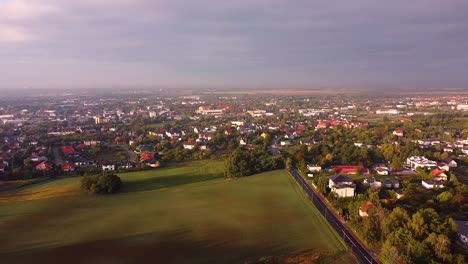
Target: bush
<point>101,184</point>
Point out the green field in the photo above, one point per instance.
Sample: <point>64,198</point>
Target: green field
<point>184,214</point>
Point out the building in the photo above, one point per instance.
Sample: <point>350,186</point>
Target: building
<point>350,169</point>
<point>68,167</point>
<point>463,231</point>
<point>108,167</point>
<point>314,168</point>
<point>364,209</point>
<point>388,112</point>
<point>462,107</point>
<point>398,133</point>
<point>432,184</point>
<point>373,182</point>
<point>450,162</point>
<point>439,175</point>
<point>44,166</point>
<point>391,183</point>
<point>420,162</point>
<point>342,186</point>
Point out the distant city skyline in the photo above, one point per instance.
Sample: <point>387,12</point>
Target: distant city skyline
<point>243,44</point>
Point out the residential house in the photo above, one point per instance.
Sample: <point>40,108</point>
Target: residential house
<point>68,151</point>
<point>108,167</point>
<point>44,166</point>
<point>314,168</point>
<point>189,146</point>
<point>398,132</point>
<point>350,169</point>
<point>382,170</point>
<point>439,175</point>
<point>450,162</point>
<point>341,185</point>
<point>432,184</point>
<point>68,167</point>
<point>373,182</point>
<point>391,183</point>
<point>145,156</point>
<point>364,209</point>
<point>420,162</point>
<point>443,166</point>
<point>463,231</point>
<point>126,165</point>
<point>399,194</point>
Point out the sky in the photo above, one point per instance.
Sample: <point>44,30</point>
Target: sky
<point>233,44</point>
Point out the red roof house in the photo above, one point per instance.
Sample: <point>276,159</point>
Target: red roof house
<point>146,156</point>
<point>364,209</point>
<point>398,132</point>
<point>68,150</point>
<point>350,169</point>
<point>68,167</point>
<point>44,166</point>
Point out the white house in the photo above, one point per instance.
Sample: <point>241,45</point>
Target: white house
<point>285,143</point>
<point>373,182</point>
<point>108,167</point>
<point>450,162</point>
<point>443,166</point>
<point>420,162</point>
<point>432,184</point>
<point>314,168</point>
<point>342,186</point>
<point>382,170</point>
<point>463,231</point>
<point>189,146</point>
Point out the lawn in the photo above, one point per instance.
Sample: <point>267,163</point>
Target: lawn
<point>182,173</point>
<point>186,214</point>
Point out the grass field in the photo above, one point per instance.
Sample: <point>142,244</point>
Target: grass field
<point>186,214</point>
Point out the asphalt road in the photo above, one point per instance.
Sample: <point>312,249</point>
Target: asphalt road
<point>359,250</point>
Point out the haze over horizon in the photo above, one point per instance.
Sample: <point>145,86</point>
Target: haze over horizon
<point>243,43</point>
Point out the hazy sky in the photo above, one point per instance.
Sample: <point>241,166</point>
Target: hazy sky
<point>233,43</point>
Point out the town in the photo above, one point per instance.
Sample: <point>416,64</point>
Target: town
<point>384,164</point>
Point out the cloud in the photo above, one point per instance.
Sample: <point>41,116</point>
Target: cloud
<point>10,34</point>
<point>17,17</point>
<point>20,10</point>
<point>242,41</point>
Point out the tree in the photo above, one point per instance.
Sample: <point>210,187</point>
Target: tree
<point>444,196</point>
<point>101,184</point>
<point>441,246</point>
<point>237,165</point>
<point>397,218</point>
<point>396,163</point>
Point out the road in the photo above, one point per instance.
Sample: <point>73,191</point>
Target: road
<point>56,156</point>
<point>273,148</point>
<point>359,250</point>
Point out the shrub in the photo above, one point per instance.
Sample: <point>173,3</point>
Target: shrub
<point>101,184</point>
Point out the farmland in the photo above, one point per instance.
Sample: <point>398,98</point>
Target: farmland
<point>183,214</point>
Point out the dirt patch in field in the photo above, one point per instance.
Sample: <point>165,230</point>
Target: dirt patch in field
<point>172,247</point>
<point>305,257</point>
<point>40,193</point>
